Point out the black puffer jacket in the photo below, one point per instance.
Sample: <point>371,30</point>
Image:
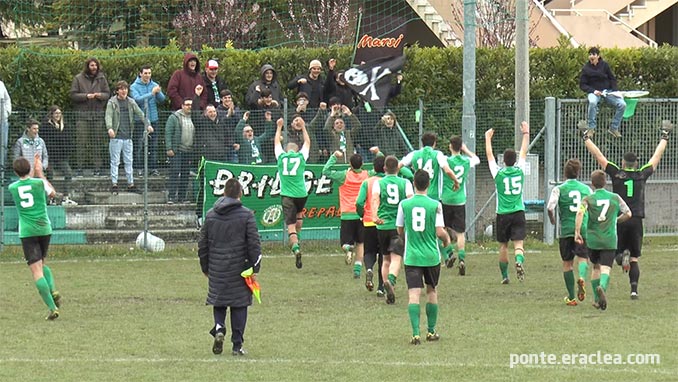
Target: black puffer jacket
<point>229,244</point>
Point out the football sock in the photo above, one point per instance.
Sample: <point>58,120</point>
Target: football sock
<point>594,286</point>
<point>392,279</point>
<point>47,272</point>
<point>43,289</point>
<point>504,269</point>
<point>604,281</point>
<point>414,310</point>
<point>431,317</point>
<point>634,275</point>
<point>462,254</point>
<point>295,247</point>
<point>520,258</point>
<point>583,269</point>
<point>569,284</point>
<point>357,267</point>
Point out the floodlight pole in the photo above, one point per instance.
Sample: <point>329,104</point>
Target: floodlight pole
<point>522,70</point>
<point>468,119</point>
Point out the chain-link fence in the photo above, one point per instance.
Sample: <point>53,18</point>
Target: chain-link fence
<point>640,135</point>
<point>168,204</point>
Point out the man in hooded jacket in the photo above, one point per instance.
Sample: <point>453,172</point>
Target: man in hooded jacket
<point>226,250</point>
<point>183,82</point>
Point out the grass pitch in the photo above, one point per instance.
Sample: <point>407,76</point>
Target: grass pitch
<point>131,316</point>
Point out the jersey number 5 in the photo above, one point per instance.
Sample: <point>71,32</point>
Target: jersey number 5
<point>26,196</point>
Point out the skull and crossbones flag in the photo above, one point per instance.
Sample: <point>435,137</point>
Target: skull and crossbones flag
<point>372,80</point>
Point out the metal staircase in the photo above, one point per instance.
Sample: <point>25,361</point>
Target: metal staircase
<point>435,22</point>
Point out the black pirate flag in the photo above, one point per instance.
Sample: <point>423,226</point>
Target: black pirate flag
<point>372,81</point>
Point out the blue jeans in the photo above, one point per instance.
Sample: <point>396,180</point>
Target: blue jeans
<point>616,102</point>
<point>115,147</point>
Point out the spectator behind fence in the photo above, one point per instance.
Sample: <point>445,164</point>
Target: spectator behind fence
<point>183,82</point>
<point>89,93</point>
<point>147,94</point>
<point>268,80</point>
<point>249,150</point>
<point>388,137</point>
<point>311,84</point>
<point>231,115</point>
<point>179,135</point>
<point>336,87</point>
<point>339,137</point>
<point>120,113</point>
<point>213,83</point>
<point>5,112</point>
<point>259,122</point>
<point>30,145</point>
<point>59,142</point>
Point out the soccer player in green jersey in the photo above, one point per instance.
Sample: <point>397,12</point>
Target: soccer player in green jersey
<point>454,201</point>
<point>510,221</point>
<point>387,193</point>
<point>433,161</point>
<point>601,232</point>
<point>629,182</point>
<point>420,222</point>
<point>567,197</point>
<point>291,167</point>
<point>35,230</point>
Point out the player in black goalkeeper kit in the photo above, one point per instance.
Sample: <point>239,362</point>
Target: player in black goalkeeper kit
<point>629,182</point>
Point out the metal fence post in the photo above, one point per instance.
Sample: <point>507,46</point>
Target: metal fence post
<point>549,163</point>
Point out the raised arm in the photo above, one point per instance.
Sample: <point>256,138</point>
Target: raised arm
<point>277,141</point>
<point>488,146</point>
<point>525,129</point>
<point>666,129</point>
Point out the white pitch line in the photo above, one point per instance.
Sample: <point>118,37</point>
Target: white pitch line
<point>152,259</point>
<point>273,361</point>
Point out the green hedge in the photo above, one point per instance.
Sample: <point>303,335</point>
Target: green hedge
<point>37,78</point>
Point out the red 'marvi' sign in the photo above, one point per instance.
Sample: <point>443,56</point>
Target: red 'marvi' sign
<point>368,41</point>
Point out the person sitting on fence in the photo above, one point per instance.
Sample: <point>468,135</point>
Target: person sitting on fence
<point>597,79</point>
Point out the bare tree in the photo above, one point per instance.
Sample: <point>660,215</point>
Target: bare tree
<point>495,22</point>
<point>318,21</point>
<point>218,23</point>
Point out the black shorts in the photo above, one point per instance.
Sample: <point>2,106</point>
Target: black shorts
<point>570,248</point>
<point>291,207</point>
<point>416,277</point>
<point>455,217</point>
<point>630,236</point>
<point>392,243</point>
<point>35,248</point>
<point>511,227</point>
<point>351,232</point>
<point>371,246</point>
<point>602,256</point>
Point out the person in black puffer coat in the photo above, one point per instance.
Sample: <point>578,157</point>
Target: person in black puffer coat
<point>225,250</point>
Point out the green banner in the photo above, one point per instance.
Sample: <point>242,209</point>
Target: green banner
<point>261,193</point>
